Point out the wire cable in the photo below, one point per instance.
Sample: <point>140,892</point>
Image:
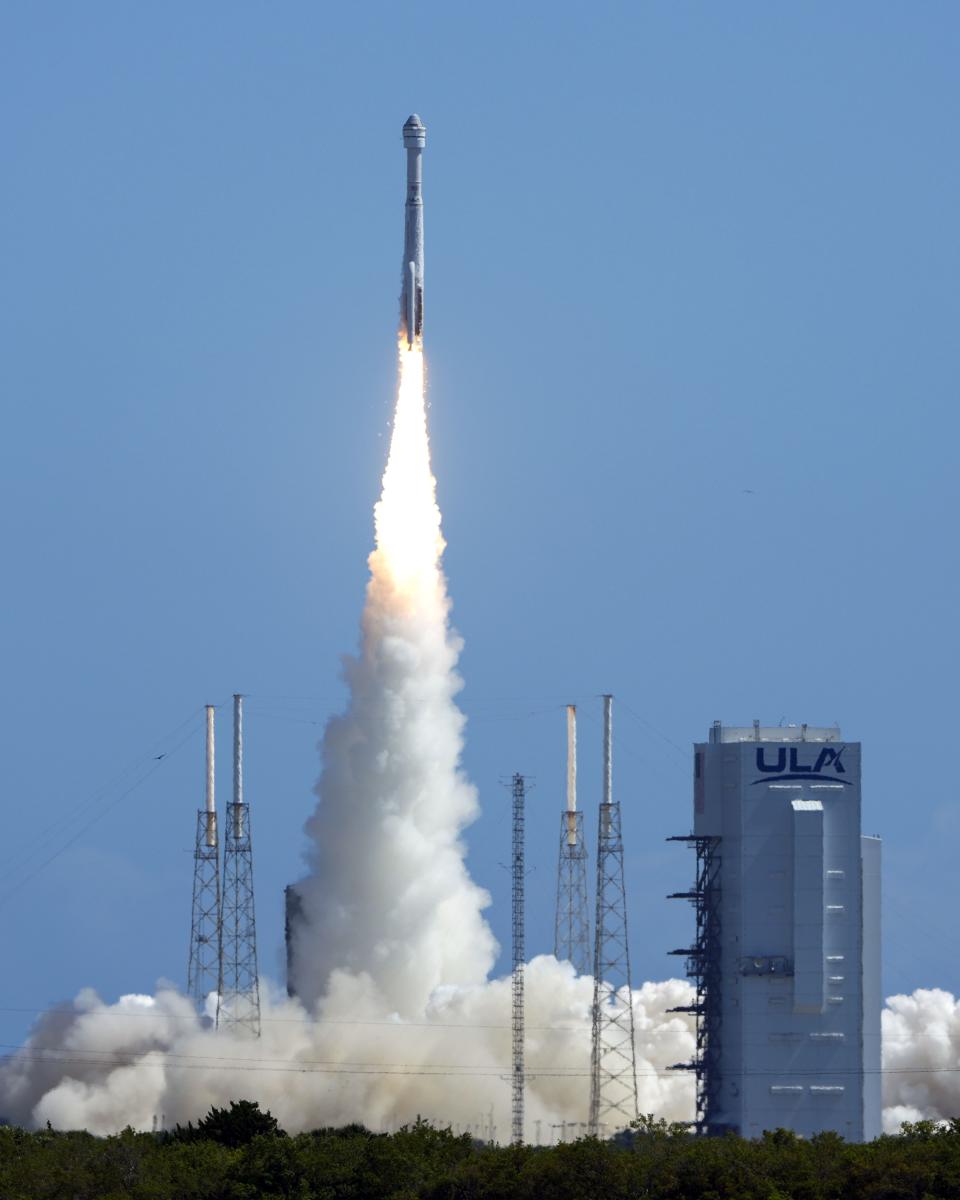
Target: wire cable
<point>158,762</point>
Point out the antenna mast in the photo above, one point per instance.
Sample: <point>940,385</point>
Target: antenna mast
<point>613,1074</point>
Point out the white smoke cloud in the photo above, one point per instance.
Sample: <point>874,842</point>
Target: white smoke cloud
<point>921,1058</point>
<point>388,891</point>
<point>102,1067</point>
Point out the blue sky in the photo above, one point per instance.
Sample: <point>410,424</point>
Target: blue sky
<point>691,329</point>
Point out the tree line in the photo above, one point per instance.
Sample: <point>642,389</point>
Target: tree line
<point>240,1153</point>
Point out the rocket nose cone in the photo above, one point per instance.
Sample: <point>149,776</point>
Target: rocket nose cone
<point>414,132</point>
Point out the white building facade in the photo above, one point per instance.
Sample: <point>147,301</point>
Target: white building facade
<point>787,960</point>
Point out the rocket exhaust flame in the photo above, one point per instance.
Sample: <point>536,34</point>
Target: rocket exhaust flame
<point>406,517</point>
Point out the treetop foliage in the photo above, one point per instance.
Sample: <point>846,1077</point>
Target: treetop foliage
<point>240,1153</point>
<point>233,1127</point>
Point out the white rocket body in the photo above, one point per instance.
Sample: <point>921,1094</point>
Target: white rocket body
<point>411,295</point>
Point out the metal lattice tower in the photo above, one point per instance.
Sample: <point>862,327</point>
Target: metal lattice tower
<point>239,1004</point>
<point>571,931</point>
<point>703,968</point>
<point>203,966</point>
<point>613,1063</point>
<point>519,954</point>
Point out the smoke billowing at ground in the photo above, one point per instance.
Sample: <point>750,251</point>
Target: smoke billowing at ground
<point>921,1053</point>
<point>397,1015</point>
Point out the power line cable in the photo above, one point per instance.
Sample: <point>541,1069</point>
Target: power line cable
<point>42,835</point>
<point>404,1027</point>
<point>158,763</point>
<point>684,755</point>
<point>200,1062</point>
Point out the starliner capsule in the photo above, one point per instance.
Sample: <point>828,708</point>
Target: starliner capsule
<point>411,292</point>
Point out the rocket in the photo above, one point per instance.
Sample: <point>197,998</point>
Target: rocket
<point>411,292</point>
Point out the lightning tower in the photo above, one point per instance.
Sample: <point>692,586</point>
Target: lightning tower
<point>613,1064</point>
<point>239,1002</point>
<point>203,967</point>
<point>519,955</point>
<point>571,935</point>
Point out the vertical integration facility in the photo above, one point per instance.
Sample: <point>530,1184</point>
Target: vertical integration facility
<point>786,960</point>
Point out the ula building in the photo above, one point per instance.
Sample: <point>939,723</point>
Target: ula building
<point>786,956</point>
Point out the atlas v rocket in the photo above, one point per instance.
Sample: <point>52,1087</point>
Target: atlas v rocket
<point>411,294</point>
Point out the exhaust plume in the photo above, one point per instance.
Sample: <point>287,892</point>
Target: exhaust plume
<point>388,894</point>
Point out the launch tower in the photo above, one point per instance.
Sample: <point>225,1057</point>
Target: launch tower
<point>203,967</point>
<point>613,1065</point>
<point>571,936</point>
<point>239,1003</point>
<point>519,956</point>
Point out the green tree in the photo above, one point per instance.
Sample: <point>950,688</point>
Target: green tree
<point>233,1127</point>
<point>268,1168</point>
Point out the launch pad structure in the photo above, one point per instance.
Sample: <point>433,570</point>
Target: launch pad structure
<point>703,970</point>
<point>571,933</point>
<point>203,967</point>
<point>238,1005</point>
<point>613,1064</point>
<point>223,929</point>
<point>519,956</point>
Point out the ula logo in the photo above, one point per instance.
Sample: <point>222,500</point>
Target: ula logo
<point>787,765</point>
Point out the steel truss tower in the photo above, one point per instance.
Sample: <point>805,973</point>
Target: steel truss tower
<point>571,934</point>
<point>613,1062</point>
<point>703,967</point>
<point>519,955</point>
<point>239,1004</point>
<point>203,967</point>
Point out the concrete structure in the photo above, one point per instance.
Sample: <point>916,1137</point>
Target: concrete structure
<point>787,955</point>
